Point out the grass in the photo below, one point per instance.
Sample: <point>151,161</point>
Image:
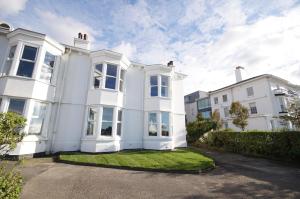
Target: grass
<point>178,160</point>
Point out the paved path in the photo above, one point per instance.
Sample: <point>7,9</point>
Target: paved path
<point>235,177</point>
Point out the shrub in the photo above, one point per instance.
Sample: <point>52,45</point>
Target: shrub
<point>197,128</point>
<point>10,184</point>
<point>283,145</point>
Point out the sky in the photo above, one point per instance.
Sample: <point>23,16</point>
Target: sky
<point>206,39</point>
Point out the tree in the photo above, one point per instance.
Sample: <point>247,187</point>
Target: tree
<point>293,114</point>
<point>216,119</point>
<point>197,128</point>
<point>240,115</point>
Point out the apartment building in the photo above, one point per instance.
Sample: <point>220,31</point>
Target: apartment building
<point>266,96</point>
<point>75,99</point>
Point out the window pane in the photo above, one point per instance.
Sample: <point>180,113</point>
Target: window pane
<point>12,52</point>
<point>38,116</point>
<point>106,128</point>
<point>111,70</point>
<point>224,98</point>
<point>164,81</point>
<point>152,129</point>
<point>16,105</point>
<point>119,115</point>
<point>49,59</point>
<point>97,82</point>
<point>25,69</point>
<point>164,130</point>
<point>98,68</point>
<point>46,73</point>
<point>7,66</point>
<point>107,114</point>
<point>153,80</point>
<point>165,118</point>
<point>122,74</point>
<point>152,118</point>
<point>119,127</point>
<point>110,82</point>
<point>29,53</point>
<point>164,91</point>
<point>154,91</point>
<point>90,128</point>
<point>92,113</point>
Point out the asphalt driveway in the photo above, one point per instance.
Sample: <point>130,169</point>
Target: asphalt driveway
<point>236,176</point>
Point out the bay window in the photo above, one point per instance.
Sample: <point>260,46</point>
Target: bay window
<point>92,113</point>
<point>47,68</point>
<point>154,85</point>
<point>111,76</point>
<point>119,123</point>
<point>37,118</point>
<point>165,123</point>
<point>27,61</point>
<point>164,86</point>
<point>121,85</point>
<point>107,121</point>
<point>9,60</point>
<point>159,86</point>
<point>98,75</point>
<point>16,106</point>
<point>153,125</point>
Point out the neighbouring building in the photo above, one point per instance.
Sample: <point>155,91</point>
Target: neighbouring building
<point>75,99</point>
<point>266,96</point>
<point>197,103</point>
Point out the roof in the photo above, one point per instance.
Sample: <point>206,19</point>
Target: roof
<point>254,78</point>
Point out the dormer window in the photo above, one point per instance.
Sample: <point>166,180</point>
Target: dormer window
<point>47,68</point>
<point>98,75</point>
<point>27,61</point>
<point>111,76</point>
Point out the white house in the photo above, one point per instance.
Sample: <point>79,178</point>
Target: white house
<point>75,99</point>
<point>266,97</point>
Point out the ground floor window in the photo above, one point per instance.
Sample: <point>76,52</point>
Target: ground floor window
<point>16,106</point>
<point>37,118</point>
<point>92,112</point>
<point>155,120</point>
<point>119,123</point>
<point>107,121</point>
<point>164,123</point>
<point>153,124</point>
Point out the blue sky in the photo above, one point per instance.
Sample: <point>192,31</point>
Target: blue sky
<point>206,39</point>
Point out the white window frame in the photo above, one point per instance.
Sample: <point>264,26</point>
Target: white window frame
<point>159,86</point>
<point>121,80</point>
<point>154,85</point>
<point>156,123</point>
<point>15,98</point>
<point>9,60</point>
<point>253,106</point>
<point>99,74</point>
<point>109,76</point>
<point>250,91</point>
<point>226,112</point>
<point>37,116</point>
<point>163,86</point>
<point>92,121</point>
<point>112,121</point>
<point>225,97</point>
<point>161,124</point>
<point>27,60</point>
<point>119,122</point>
<point>216,100</point>
<point>48,67</point>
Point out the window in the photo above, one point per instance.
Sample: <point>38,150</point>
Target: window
<point>37,118</point>
<point>27,61</point>
<point>111,76</point>
<point>98,75</point>
<point>121,86</point>
<point>154,85</point>
<point>224,98</point>
<point>47,68</point>
<point>250,91</point>
<point>164,86</point>
<point>253,109</point>
<point>9,60</point>
<point>206,114</point>
<point>153,124</point>
<point>203,103</point>
<point>226,112</point>
<point>164,123</point>
<point>107,118</point>
<point>216,100</point>
<point>92,112</point>
<point>16,106</point>
<point>119,123</point>
<point>283,108</point>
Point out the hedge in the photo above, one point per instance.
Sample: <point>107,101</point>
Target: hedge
<point>277,145</point>
<point>10,183</point>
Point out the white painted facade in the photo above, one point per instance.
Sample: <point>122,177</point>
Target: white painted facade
<point>76,107</point>
<point>266,96</point>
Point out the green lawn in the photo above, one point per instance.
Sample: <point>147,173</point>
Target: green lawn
<point>179,160</point>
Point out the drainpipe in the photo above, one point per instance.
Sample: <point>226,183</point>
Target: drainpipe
<point>57,114</point>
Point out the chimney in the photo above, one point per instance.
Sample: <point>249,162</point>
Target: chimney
<point>239,70</point>
<point>170,64</point>
<point>82,41</point>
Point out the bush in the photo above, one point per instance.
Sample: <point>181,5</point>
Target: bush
<point>282,145</point>
<point>10,184</point>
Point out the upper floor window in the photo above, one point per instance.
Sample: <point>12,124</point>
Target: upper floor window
<point>107,121</point>
<point>119,123</point>
<point>226,112</point>
<point>111,76</point>
<point>92,112</point>
<point>154,86</point>
<point>47,68</point>
<point>98,75</point>
<point>164,123</point>
<point>250,91</point>
<point>203,103</point>
<point>9,60</point>
<point>121,85</point>
<point>224,98</point>
<point>27,61</point>
<point>37,118</point>
<point>153,124</point>
<point>16,106</point>
<point>164,86</point>
<point>216,100</point>
<point>253,109</point>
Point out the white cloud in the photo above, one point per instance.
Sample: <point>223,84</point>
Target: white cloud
<point>125,48</point>
<point>11,7</point>
<point>64,28</point>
